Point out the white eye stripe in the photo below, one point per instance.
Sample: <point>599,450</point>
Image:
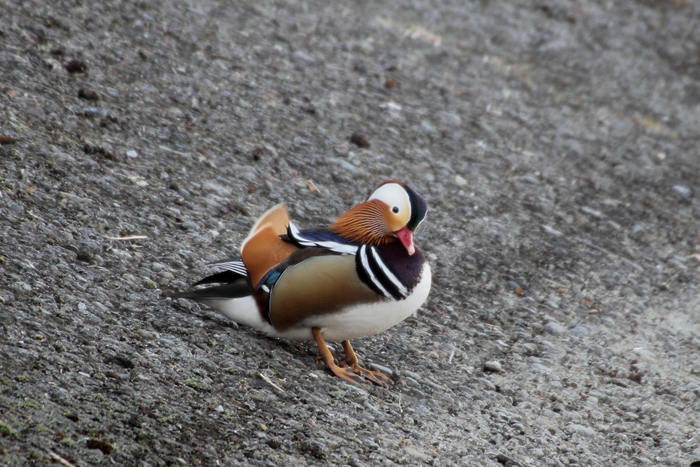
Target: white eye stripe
<point>393,195</point>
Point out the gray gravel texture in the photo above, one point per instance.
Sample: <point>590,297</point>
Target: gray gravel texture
<point>557,144</point>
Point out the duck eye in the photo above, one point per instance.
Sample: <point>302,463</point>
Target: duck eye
<point>395,209</point>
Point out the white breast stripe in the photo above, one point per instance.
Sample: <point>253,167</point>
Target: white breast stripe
<point>368,270</point>
<point>389,275</point>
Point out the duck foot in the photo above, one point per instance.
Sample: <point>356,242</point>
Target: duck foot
<point>349,369</point>
<point>343,372</point>
<point>351,361</point>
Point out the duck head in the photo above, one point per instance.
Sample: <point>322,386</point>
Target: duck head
<point>392,212</point>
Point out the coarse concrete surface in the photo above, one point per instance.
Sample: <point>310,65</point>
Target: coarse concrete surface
<point>556,143</point>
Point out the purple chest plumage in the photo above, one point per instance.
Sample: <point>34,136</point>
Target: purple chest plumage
<point>389,270</point>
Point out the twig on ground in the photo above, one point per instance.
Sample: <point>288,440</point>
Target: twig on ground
<point>129,237</point>
<point>60,459</point>
<point>270,382</point>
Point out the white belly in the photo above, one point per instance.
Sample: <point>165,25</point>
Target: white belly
<point>357,321</point>
<point>368,319</point>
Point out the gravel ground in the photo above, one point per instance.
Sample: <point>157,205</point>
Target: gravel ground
<point>556,144</point>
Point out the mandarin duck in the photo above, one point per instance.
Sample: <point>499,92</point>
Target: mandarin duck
<point>356,278</point>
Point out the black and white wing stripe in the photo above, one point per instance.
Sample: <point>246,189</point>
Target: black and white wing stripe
<point>234,265</point>
<point>306,240</point>
<point>228,271</point>
<point>376,274</point>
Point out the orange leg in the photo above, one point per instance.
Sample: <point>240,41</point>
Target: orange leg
<point>377,377</point>
<point>345,373</point>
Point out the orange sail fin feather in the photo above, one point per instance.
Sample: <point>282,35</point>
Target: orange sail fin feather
<point>263,249</point>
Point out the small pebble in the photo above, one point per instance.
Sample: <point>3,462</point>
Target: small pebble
<point>554,328</point>
<point>94,112</point>
<point>493,365</point>
<point>586,431</point>
<point>427,127</point>
<point>391,106</point>
<point>345,165</point>
<point>22,287</point>
<point>682,190</point>
<point>539,368</point>
<point>487,383</point>
<point>302,57</point>
<point>552,231</point>
<point>591,211</point>
<point>381,368</point>
<point>642,352</point>
<point>449,118</point>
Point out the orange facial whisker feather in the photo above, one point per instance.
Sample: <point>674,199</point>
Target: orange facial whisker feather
<point>364,223</point>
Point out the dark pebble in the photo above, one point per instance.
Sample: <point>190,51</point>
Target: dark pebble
<point>4,139</point>
<point>103,446</point>
<point>104,152</point>
<point>274,444</point>
<point>84,255</point>
<point>88,95</point>
<point>121,360</point>
<point>257,153</point>
<point>315,449</point>
<point>505,460</point>
<point>76,66</point>
<point>359,140</point>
